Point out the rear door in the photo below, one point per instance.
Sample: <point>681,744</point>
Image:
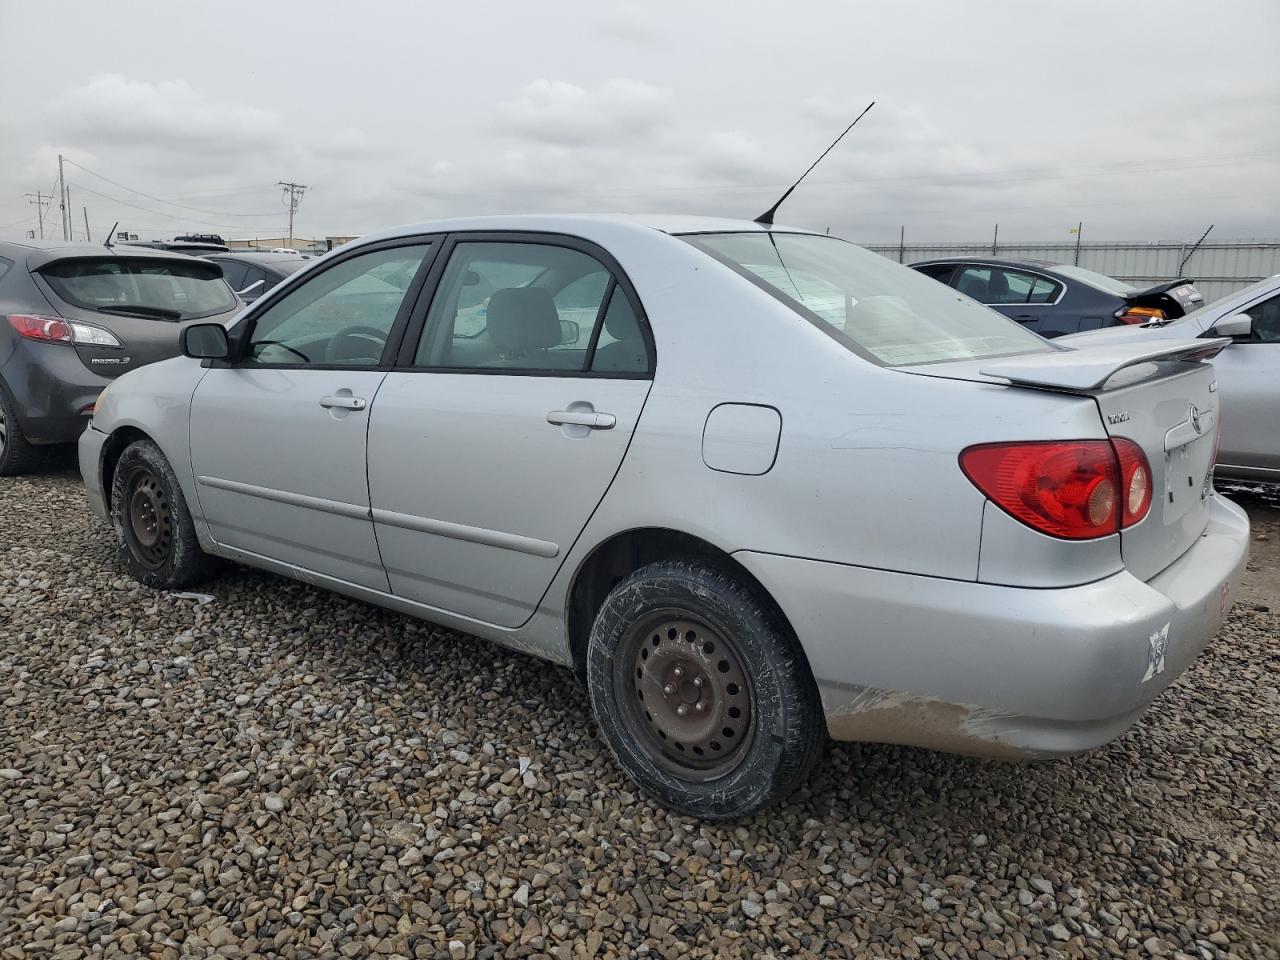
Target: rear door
<point>278,438</point>
<point>505,421</point>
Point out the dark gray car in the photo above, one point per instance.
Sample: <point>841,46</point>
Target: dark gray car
<point>76,316</point>
<point>253,274</point>
<point>1054,299</point>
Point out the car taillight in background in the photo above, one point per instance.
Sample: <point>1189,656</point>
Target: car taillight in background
<point>1141,315</point>
<point>1071,489</point>
<point>57,330</point>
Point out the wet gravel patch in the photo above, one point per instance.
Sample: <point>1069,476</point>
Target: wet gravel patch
<point>283,772</point>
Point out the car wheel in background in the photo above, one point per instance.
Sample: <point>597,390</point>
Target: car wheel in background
<point>156,536</point>
<point>701,692</point>
<point>16,454</point>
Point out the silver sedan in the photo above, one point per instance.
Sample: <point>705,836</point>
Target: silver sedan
<point>757,486</point>
<point>1248,372</point>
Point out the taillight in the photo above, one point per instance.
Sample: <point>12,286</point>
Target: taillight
<point>1072,489</point>
<point>34,327</point>
<point>57,330</point>
<point>1141,315</point>
<point>1135,481</point>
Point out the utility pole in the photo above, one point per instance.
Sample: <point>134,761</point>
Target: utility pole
<point>293,193</point>
<point>71,217</point>
<point>62,202</point>
<point>87,238</point>
<point>995,240</point>
<point>1079,234</point>
<point>40,200</point>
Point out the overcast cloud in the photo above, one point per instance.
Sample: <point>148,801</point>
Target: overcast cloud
<point>1146,120</point>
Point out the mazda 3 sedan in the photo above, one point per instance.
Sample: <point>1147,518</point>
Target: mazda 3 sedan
<point>757,486</point>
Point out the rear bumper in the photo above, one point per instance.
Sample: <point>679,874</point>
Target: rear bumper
<point>52,386</point>
<point>1003,671</point>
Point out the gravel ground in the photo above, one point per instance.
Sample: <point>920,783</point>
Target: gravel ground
<point>284,772</point>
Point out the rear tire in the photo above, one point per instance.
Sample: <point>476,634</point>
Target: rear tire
<point>17,455</point>
<point>701,692</point>
<point>154,530</point>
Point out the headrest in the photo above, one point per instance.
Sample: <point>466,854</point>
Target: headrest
<point>523,318</point>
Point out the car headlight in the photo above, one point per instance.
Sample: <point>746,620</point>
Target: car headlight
<point>88,334</point>
<point>97,404</point>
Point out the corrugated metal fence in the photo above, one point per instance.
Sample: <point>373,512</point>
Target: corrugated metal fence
<point>1218,268</point>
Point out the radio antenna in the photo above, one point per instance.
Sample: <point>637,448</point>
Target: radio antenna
<point>766,218</point>
<point>111,234</point>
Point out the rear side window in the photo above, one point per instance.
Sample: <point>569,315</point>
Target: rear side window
<point>165,289</point>
<point>528,307</point>
<point>233,272</point>
<point>5,264</point>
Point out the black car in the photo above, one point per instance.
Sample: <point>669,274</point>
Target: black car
<point>251,274</point>
<point>73,317</point>
<point>1054,299</point>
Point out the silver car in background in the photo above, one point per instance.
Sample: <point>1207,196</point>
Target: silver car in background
<point>758,486</point>
<point>1248,372</point>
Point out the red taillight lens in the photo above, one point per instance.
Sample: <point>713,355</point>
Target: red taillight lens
<point>40,328</point>
<point>1073,489</point>
<point>1140,315</point>
<point>1067,489</point>
<point>1135,479</point>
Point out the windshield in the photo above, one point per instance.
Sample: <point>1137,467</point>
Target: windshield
<point>1099,280</point>
<point>877,308</point>
<point>172,289</point>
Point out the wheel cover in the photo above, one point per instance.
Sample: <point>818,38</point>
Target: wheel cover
<point>149,519</point>
<point>684,695</point>
<point>4,430</point>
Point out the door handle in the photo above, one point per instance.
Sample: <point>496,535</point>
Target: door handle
<point>343,403</point>
<point>583,418</point>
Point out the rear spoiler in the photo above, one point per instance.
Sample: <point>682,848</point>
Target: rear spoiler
<point>1163,286</point>
<point>1089,368</point>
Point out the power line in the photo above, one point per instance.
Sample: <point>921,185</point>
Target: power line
<point>167,216</point>
<point>220,213</point>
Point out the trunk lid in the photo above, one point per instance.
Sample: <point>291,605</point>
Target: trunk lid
<point>1160,396</point>
<point>1176,298</point>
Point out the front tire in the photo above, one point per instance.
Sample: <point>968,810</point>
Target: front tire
<point>154,530</point>
<point>701,692</point>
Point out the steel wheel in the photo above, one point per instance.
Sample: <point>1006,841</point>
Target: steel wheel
<point>685,695</point>
<point>150,521</point>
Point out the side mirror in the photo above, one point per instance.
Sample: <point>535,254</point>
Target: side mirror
<point>250,288</point>
<point>205,341</point>
<point>1236,325</point>
<point>569,333</point>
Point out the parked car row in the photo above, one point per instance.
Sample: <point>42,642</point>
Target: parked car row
<point>758,486</point>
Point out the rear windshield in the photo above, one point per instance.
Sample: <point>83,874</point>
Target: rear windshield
<point>879,309</point>
<point>1099,280</point>
<point>167,289</point>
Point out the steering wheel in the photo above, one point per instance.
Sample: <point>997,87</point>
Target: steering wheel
<point>334,352</point>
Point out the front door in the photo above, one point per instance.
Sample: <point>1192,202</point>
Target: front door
<point>278,437</point>
<point>1248,374</point>
<point>493,442</point>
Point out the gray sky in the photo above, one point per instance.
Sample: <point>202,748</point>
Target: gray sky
<point>1146,120</point>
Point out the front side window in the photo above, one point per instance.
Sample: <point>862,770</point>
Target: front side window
<point>1266,321</point>
<point>342,315</point>
<point>177,289</point>
<point>878,309</point>
<point>514,306</point>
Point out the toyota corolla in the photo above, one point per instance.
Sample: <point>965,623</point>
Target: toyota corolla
<point>757,486</point>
